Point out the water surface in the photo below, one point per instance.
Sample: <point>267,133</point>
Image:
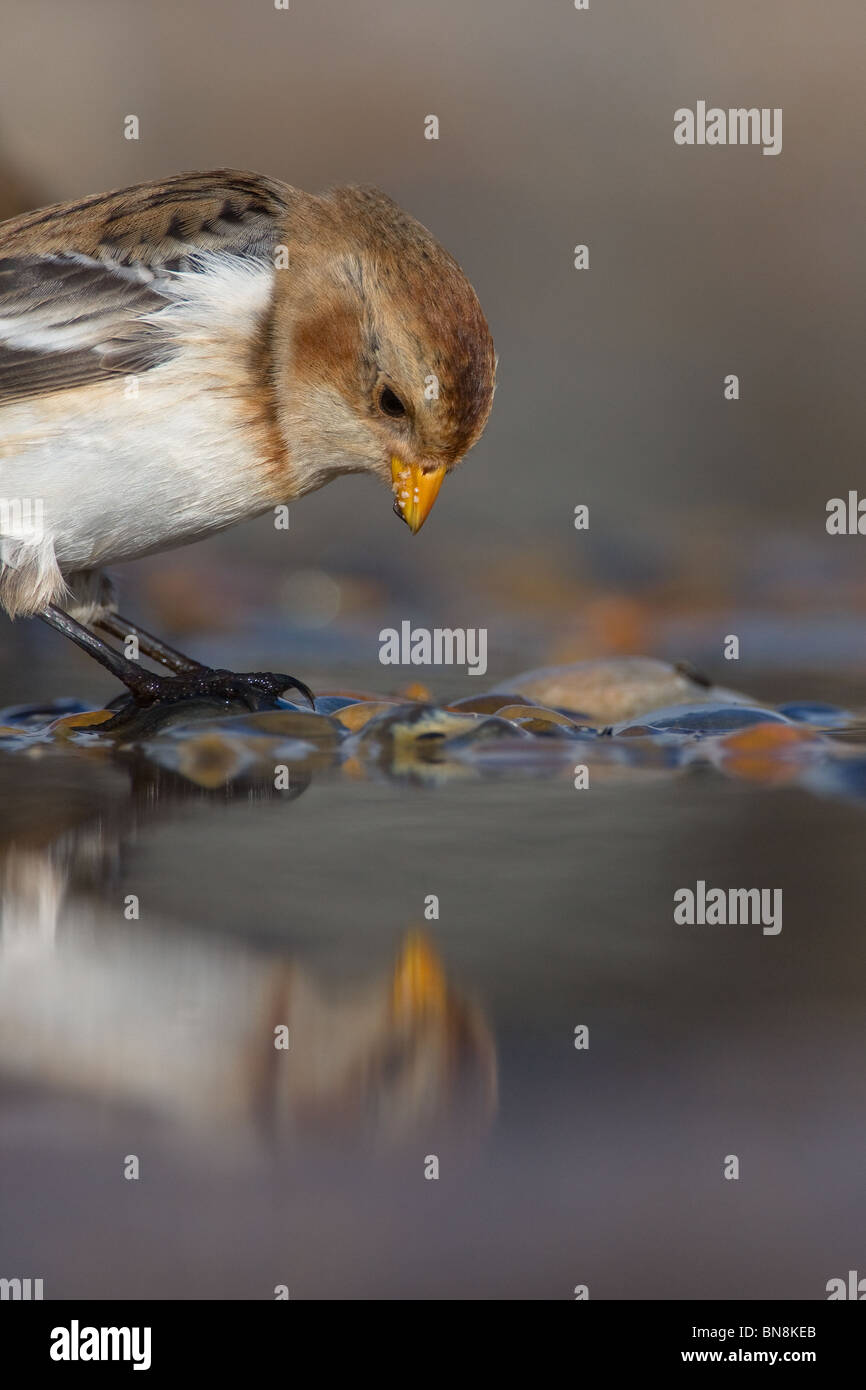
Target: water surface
<point>414,1036</point>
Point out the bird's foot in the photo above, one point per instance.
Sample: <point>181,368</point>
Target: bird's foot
<point>253,690</point>
<point>191,682</point>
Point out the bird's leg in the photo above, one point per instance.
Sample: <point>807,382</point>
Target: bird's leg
<point>134,677</point>
<point>253,689</point>
<point>152,646</point>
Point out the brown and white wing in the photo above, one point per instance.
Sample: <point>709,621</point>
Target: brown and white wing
<point>66,321</point>
<point>80,283</point>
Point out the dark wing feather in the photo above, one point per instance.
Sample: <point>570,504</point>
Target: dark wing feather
<point>78,280</point>
<point>65,321</point>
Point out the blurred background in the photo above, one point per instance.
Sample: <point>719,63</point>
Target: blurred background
<point>707,517</point>
<point>556,128</point>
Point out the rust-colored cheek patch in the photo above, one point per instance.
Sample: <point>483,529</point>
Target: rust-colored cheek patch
<point>327,346</point>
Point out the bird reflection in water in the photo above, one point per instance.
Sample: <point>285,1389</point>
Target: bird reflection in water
<point>184,1022</point>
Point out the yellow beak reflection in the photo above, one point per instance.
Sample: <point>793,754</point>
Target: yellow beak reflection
<point>419,985</point>
<point>414,491</point>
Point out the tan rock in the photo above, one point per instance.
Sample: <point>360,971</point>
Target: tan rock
<point>617,688</point>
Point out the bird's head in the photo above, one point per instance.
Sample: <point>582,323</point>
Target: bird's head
<point>385,362</point>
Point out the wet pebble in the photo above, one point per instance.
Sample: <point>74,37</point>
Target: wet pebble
<point>9,733</point>
<point>71,724</point>
<point>486,729</point>
<point>769,753</point>
<point>551,728</point>
<point>332,704</point>
<point>536,712</point>
<point>706,720</point>
<point>37,716</point>
<point>354,717</point>
<point>816,713</point>
<point>420,730</point>
<point>488,704</point>
<point>618,689</point>
<point>354,697</point>
<point>414,691</point>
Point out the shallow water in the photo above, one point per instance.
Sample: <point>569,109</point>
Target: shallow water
<point>414,1036</point>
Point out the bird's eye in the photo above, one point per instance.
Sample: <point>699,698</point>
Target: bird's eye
<point>390,404</point>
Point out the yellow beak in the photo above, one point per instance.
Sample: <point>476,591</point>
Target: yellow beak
<point>415,491</point>
<point>419,985</point>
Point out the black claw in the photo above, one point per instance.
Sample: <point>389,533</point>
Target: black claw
<point>256,690</point>
<point>251,684</point>
<point>292,684</point>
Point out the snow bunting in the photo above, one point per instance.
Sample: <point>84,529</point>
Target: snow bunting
<point>185,354</point>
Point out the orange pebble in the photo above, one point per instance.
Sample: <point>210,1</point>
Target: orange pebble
<point>766,752</point>
<point>71,723</point>
<point>766,738</point>
<point>415,691</point>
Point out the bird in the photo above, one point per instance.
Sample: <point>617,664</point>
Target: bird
<point>187,353</point>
